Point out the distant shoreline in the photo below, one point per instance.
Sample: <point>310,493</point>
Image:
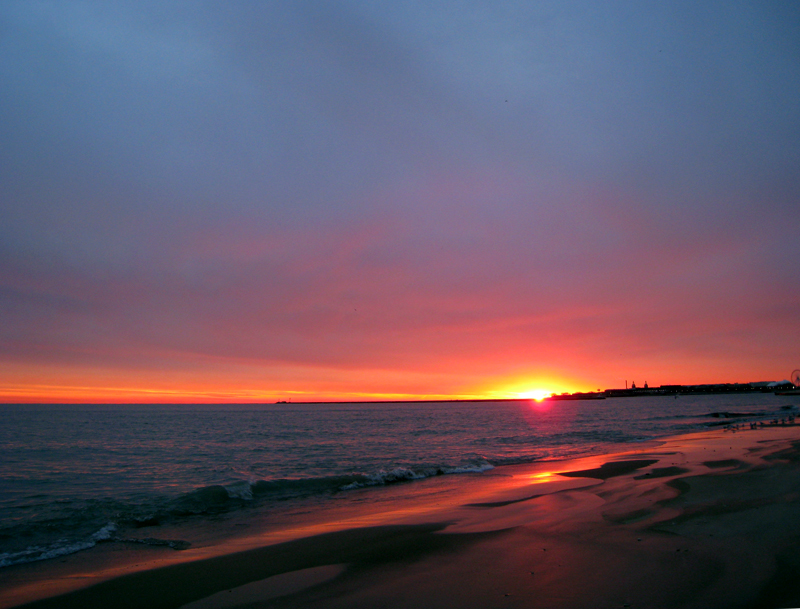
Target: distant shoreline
<point>778,388</point>
<point>663,390</point>
<point>438,401</point>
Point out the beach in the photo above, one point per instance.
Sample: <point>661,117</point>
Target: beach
<point>443,304</point>
<point>708,519</point>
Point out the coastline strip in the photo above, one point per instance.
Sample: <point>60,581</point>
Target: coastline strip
<point>702,520</point>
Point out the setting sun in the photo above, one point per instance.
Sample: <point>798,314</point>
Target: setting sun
<point>535,394</point>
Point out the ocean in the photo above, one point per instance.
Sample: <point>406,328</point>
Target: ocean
<point>74,476</point>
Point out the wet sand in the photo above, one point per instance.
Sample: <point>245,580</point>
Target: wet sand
<point>703,520</point>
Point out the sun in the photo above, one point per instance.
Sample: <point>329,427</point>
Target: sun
<point>535,394</point>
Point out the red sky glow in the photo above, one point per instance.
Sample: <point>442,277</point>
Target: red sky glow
<point>243,202</point>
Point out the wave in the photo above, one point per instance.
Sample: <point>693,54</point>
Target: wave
<point>73,528</point>
<point>64,547</point>
<point>56,549</point>
<point>205,501</point>
<point>220,497</point>
<point>404,474</point>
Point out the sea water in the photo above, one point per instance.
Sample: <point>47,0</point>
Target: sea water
<point>73,476</point>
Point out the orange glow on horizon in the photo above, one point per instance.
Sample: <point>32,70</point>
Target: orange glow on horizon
<point>536,387</point>
<point>217,380</point>
<point>89,395</point>
<point>110,392</point>
<point>535,394</point>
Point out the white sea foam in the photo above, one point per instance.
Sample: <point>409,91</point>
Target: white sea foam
<point>59,548</point>
<point>483,467</point>
<point>105,533</point>
<point>240,490</point>
<point>402,474</point>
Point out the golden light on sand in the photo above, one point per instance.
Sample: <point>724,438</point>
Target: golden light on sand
<point>542,477</point>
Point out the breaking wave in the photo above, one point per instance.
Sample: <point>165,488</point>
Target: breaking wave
<point>404,474</point>
<point>64,547</point>
<point>221,497</point>
<point>59,548</point>
<point>204,501</point>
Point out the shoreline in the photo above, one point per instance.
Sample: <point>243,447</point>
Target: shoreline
<point>705,519</point>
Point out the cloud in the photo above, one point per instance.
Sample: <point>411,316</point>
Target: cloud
<point>412,189</point>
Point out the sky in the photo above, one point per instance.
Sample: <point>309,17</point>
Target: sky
<point>246,201</point>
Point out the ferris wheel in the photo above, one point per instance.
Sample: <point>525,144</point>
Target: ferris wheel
<point>795,378</point>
